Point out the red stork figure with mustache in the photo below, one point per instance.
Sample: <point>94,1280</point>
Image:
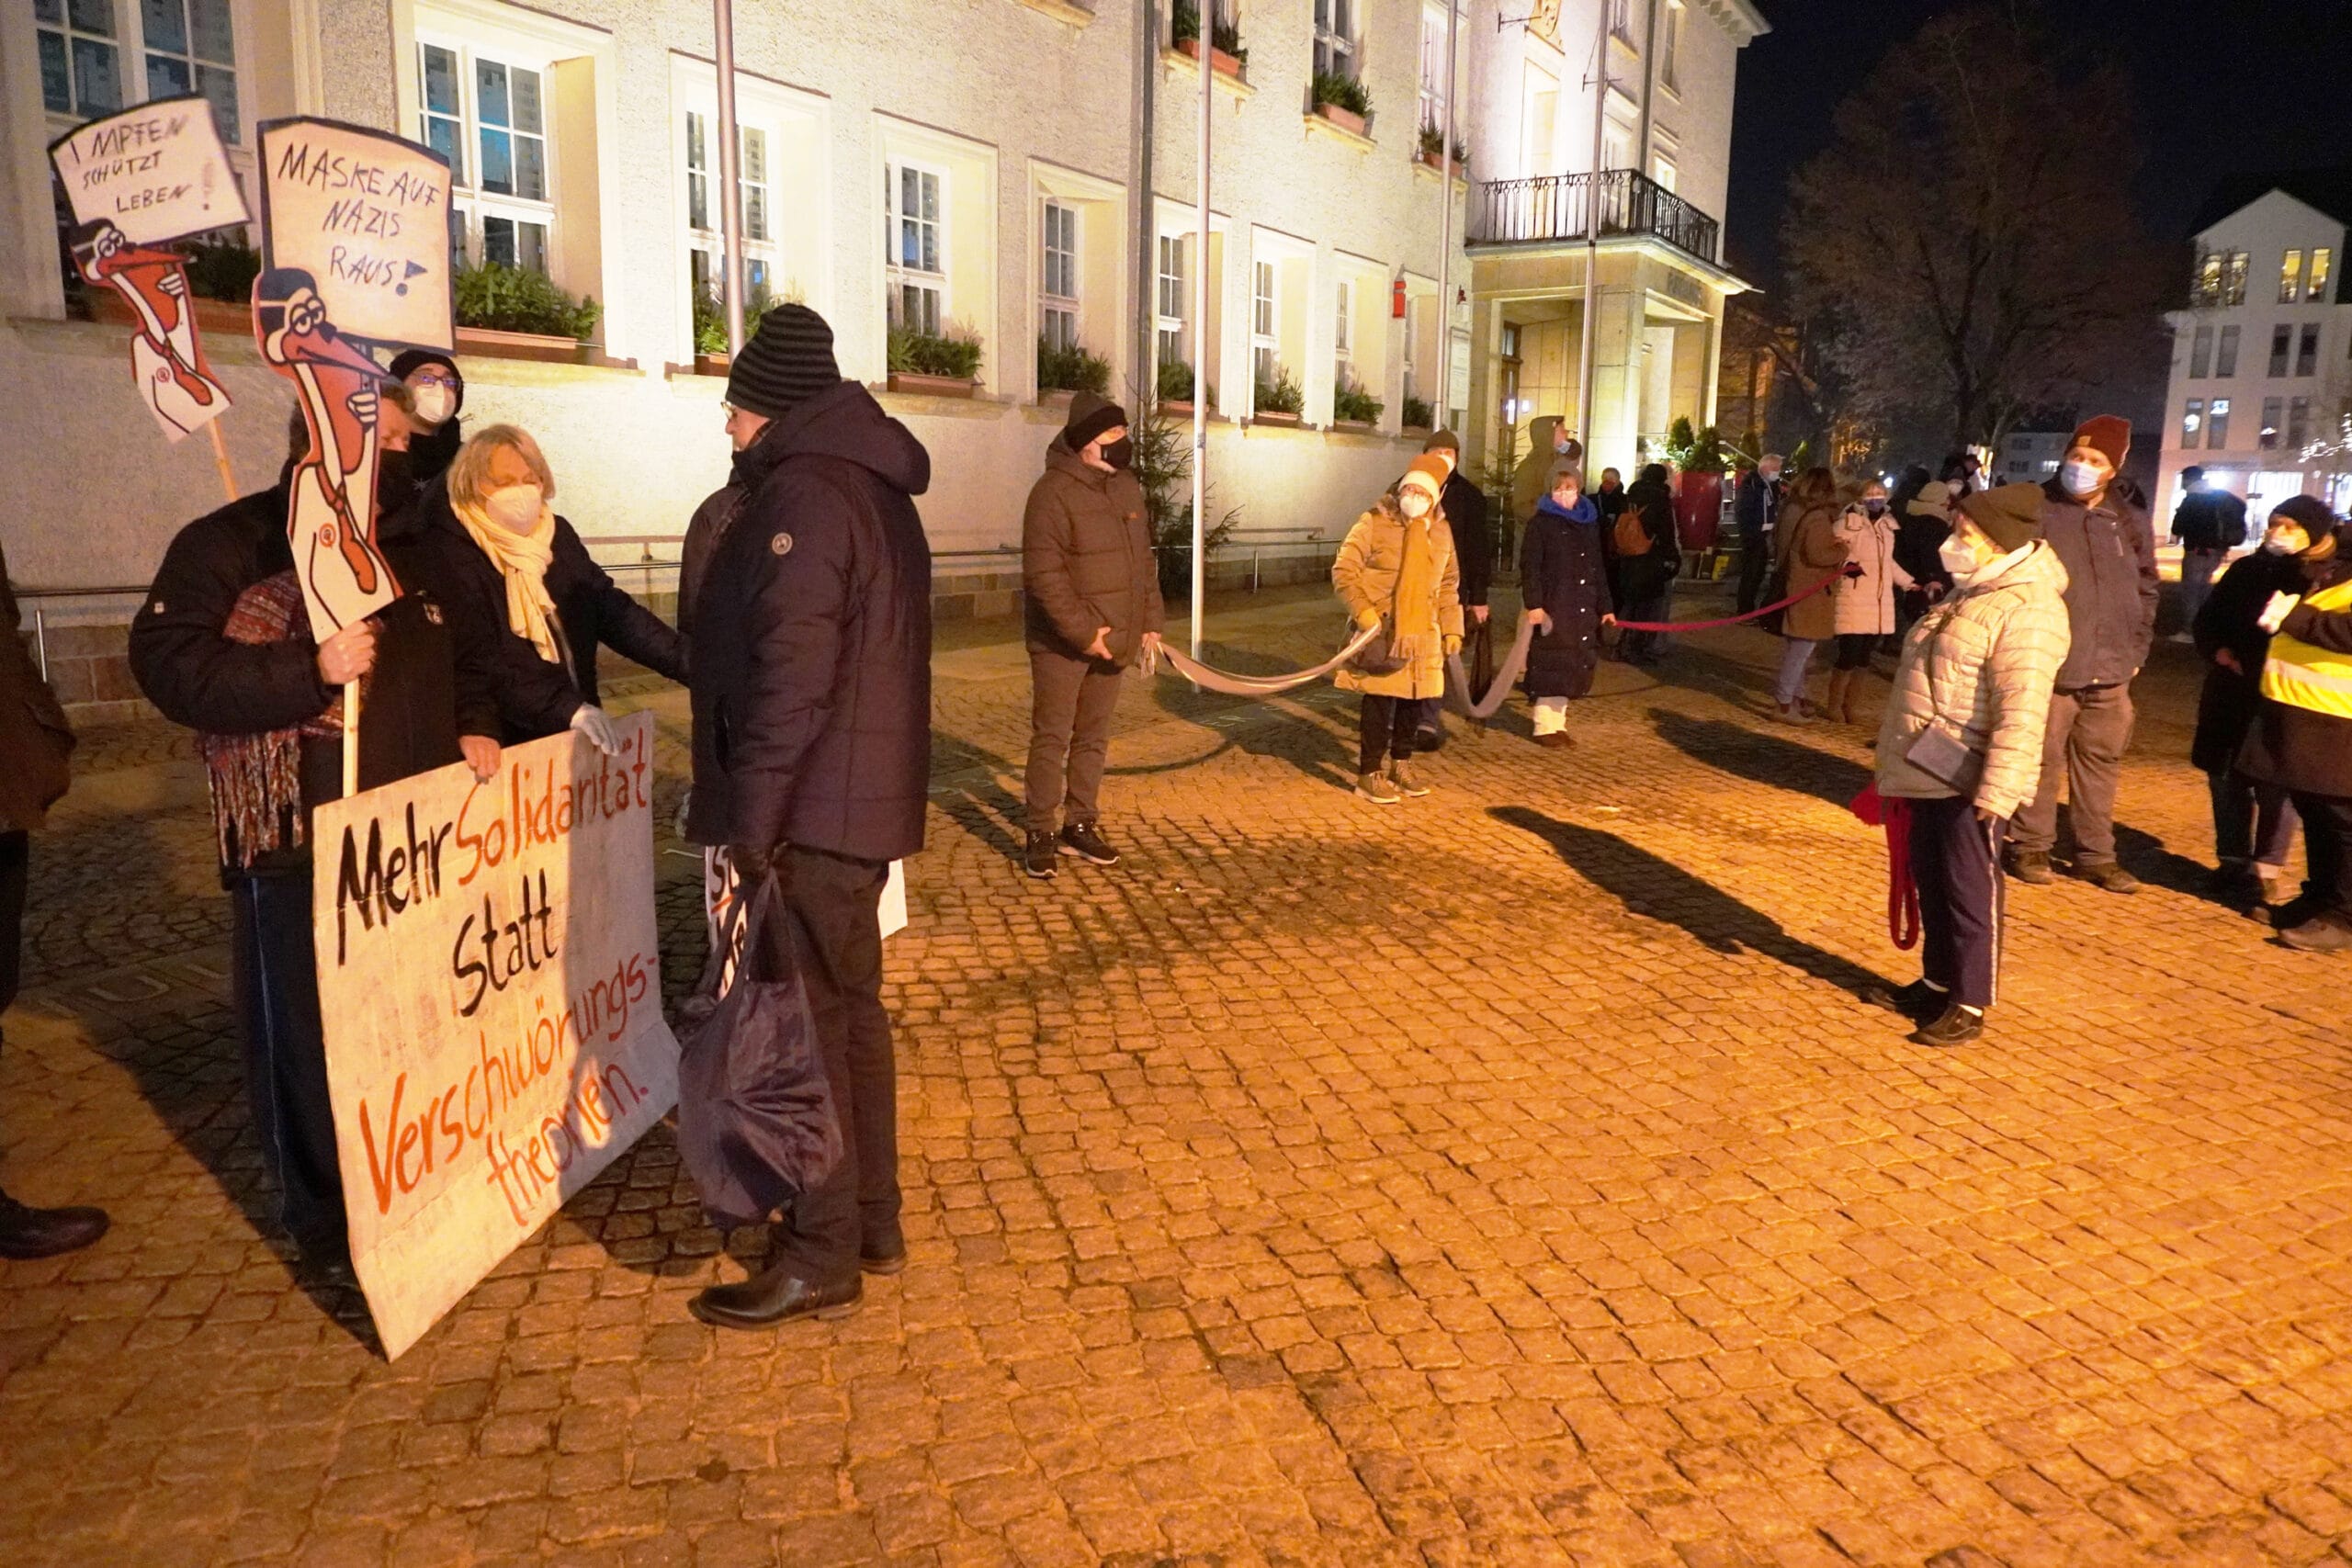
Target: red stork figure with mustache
<point>166,358</point>
<point>331,520</point>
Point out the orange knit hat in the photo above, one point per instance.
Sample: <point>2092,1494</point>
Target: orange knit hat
<point>1428,473</point>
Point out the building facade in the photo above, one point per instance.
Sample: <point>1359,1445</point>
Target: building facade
<point>1020,173</point>
<point>2261,377</point>
<point>2030,456</point>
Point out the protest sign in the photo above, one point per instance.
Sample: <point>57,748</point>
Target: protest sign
<point>366,214</point>
<point>490,981</point>
<point>155,173</point>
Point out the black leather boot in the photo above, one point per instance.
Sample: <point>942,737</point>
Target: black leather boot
<point>44,1232</point>
<point>773,1295</point>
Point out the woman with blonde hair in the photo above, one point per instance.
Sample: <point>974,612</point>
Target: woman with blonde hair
<point>1811,550</point>
<point>511,562</point>
<point>1397,571</point>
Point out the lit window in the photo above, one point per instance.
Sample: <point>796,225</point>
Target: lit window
<point>2315,289</point>
<point>1670,45</point>
<point>1265,347</point>
<point>2307,350</point>
<point>1059,288</point>
<point>1433,72</point>
<point>81,67</point>
<point>918,252</point>
<point>2290,277</point>
<point>2192,419</point>
<point>706,238</point>
<point>2207,288</point>
<point>1171,300</point>
<point>192,48</point>
<point>1344,337</point>
<point>2217,425</point>
<point>1335,37</point>
<point>2267,437</point>
<point>2233,267</point>
<point>488,117</point>
<point>2225,360</point>
<point>2299,421</point>
<point>2283,340</point>
<point>2201,354</point>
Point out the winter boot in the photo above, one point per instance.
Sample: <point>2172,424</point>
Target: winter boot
<point>1401,779</point>
<point>2027,865</point>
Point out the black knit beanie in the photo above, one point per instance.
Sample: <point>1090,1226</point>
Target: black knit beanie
<point>788,361</point>
<point>1089,415</point>
<point>408,361</point>
<point>2307,513</point>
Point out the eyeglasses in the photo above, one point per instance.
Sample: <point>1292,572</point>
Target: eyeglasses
<point>432,378</point>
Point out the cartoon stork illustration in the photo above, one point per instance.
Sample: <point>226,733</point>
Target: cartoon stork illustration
<point>165,356</point>
<point>331,520</point>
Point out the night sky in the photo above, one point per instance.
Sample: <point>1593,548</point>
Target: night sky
<point>2224,88</point>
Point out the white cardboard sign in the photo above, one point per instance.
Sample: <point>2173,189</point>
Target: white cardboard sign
<point>490,983</point>
<point>156,172</point>
<point>366,215</point>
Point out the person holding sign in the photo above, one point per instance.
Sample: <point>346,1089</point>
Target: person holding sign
<point>223,644</point>
<point>439,397</point>
<point>812,762</point>
<point>509,561</point>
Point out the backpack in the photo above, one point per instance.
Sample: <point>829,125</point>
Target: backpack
<point>1631,537</point>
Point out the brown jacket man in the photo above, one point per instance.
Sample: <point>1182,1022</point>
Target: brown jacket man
<point>1093,594</point>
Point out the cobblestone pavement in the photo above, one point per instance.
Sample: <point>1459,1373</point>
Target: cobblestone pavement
<point>1504,1178</point>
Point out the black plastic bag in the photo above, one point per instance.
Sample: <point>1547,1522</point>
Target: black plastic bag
<point>756,1118</point>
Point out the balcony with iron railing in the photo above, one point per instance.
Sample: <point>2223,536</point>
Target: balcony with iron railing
<point>1557,208</point>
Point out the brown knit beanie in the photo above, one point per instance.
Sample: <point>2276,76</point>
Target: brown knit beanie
<point>2009,515</point>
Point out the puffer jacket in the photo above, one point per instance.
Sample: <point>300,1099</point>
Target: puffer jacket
<point>1984,663</point>
<point>1811,549</point>
<point>1864,606</point>
<point>1086,559</point>
<point>1365,574</point>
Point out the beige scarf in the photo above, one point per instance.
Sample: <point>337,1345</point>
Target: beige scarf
<point>524,559</point>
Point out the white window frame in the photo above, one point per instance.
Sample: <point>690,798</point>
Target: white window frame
<point>706,240</point>
<point>1060,305</point>
<point>2315,280</point>
<point>1670,46</point>
<point>896,276</point>
<point>2192,424</point>
<point>2290,275</point>
<point>1173,342</point>
<point>473,206</point>
<point>1433,84</point>
<point>129,41</point>
<point>2217,425</point>
<point>1266,306</point>
<point>1343,334</point>
<point>1337,47</point>
<point>1621,21</point>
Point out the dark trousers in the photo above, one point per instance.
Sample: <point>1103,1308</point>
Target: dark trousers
<point>2089,731</point>
<point>2327,846</point>
<point>1648,603</point>
<point>2252,820</point>
<point>1754,564</point>
<point>275,987</point>
<point>1956,863</point>
<point>1070,703</point>
<point>15,861</point>
<point>1386,728</point>
<point>834,926</point>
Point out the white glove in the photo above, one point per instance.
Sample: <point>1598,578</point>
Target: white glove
<point>2274,614</point>
<point>595,724</point>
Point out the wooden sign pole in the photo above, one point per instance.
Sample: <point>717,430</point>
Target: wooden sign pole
<point>220,460</point>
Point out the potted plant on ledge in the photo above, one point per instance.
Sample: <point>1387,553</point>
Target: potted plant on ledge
<point>220,276</point>
<point>516,312</point>
<point>1226,54</point>
<point>1071,369</point>
<point>1419,415</point>
<point>1430,153</point>
<point>1354,407</point>
<point>1343,101</point>
<point>711,325</point>
<point>1173,390</point>
<point>1279,401</point>
<point>944,363</point>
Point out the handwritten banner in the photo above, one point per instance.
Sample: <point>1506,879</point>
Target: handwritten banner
<point>366,214</point>
<point>490,983</point>
<point>156,173</point>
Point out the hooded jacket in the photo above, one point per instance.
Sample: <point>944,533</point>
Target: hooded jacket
<point>812,696</point>
<point>2111,561</point>
<point>1643,577</point>
<point>1981,664</point>
<point>1086,559</point>
<point>1532,481</point>
<point>536,697</point>
<point>2306,751</point>
<point>34,735</point>
<point>1365,574</point>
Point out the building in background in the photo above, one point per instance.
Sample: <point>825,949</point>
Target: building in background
<point>2262,356</point>
<point>2030,456</point>
<point>1653,187</point>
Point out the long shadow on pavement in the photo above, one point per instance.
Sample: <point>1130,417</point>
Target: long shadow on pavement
<point>1655,888</point>
<point>1766,759</point>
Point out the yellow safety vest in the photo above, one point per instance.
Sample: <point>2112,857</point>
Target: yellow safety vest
<point>2303,676</point>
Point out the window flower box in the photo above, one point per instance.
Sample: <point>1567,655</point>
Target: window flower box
<point>1346,119</point>
<point>1452,165</point>
<point>1273,416</point>
<point>917,382</point>
<point>545,347</point>
<point>1223,64</point>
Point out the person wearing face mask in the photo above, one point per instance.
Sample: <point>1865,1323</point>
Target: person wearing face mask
<point>2301,737</point>
<point>1754,505</point>
<point>1922,523</point>
<point>1397,570</point>
<point>437,395</point>
<point>2253,820</point>
<point>1961,739</point>
<point>1566,596</point>
<point>506,559</point>
<point>1862,607</point>
<point>1090,590</point>
<point>1811,550</point>
<point>2109,549</point>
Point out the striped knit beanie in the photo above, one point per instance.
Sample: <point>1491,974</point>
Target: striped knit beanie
<point>788,361</point>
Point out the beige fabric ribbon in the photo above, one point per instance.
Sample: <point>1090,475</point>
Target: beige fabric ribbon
<point>524,559</point>
<point>1212,679</point>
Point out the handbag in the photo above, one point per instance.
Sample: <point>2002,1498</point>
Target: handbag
<point>757,1123</point>
<point>1378,656</point>
<point>1948,758</point>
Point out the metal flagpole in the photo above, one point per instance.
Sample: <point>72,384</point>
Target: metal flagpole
<point>1445,221</point>
<point>1593,232</point>
<point>731,193</point>
<point>1201,332</point>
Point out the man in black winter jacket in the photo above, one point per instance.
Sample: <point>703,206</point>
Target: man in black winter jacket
<point>2209,524</point>
<point>1464,505</point>
<point>811,687</point>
